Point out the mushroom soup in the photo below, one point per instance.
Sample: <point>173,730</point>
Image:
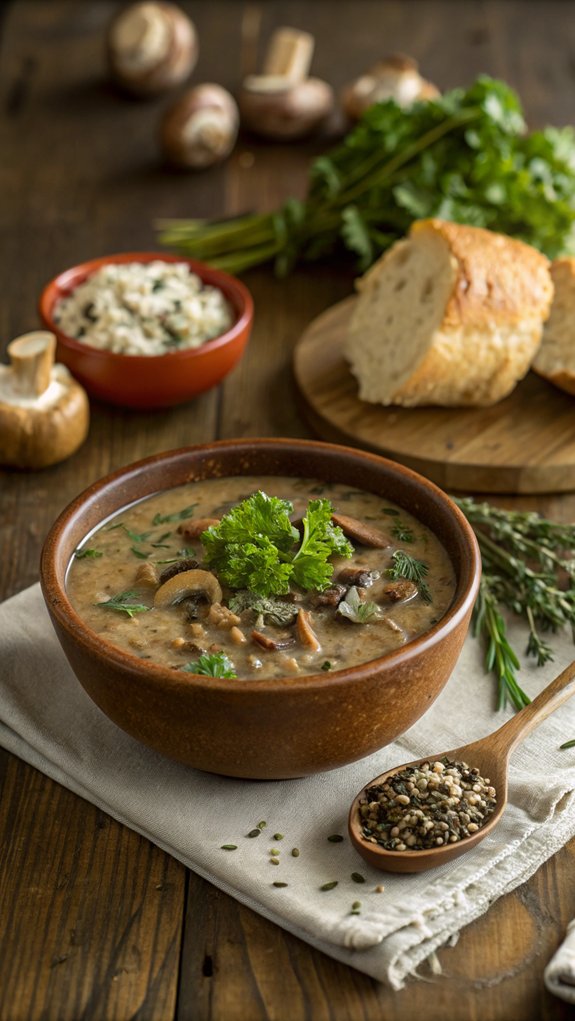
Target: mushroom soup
<point>261,577</point>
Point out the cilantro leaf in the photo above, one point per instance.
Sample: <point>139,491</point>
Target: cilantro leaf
<point>181,515</point>
<point>212,664</point>
<point>87,551</point>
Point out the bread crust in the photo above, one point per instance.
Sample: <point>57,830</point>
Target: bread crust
<point>498,297</point>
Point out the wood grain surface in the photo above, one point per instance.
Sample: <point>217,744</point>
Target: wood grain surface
<point>96,924</point>
<point>524,444</point>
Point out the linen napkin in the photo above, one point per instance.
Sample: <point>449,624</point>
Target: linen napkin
<point>48,720</point>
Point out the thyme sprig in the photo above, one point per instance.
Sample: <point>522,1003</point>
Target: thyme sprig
<point>528,569</point>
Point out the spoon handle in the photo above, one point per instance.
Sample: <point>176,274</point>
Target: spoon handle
<point>515,730</point>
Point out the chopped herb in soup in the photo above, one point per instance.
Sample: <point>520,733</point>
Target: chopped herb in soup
<point>261,577</point>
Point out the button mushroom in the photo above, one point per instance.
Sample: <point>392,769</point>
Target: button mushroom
<point>188,584</point>
<point>201,128</point>
<point>364,534</point>
<point>44,413</point>
<point>396,77</point>
<point>283,102</point>
<point>151,47</point>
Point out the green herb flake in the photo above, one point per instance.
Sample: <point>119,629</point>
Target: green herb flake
<point>212,664</point>
<point>85,552</point>
<point>181,515</point>
<point>402,532</point>
<point>141,554</point>
<point>326,665</point>
<point>123,602</point>
<point>568,744</point>
<point>229,847</point>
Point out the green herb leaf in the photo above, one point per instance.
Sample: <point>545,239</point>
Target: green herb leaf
<point>181,515</point>
<point>274,611</point>
<point>568,744</point>
<point>359,612</point>
<point>141,554</point>
<point>124,602</point>
<point>405,566</point>
<point>87,551</point>
<point>212,664</point>
<point>402,532</point>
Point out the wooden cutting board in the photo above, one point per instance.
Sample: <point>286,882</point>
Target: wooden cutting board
<point>524,444</point>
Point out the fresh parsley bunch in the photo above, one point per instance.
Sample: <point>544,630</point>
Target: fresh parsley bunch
<point>256,546</point>
<point>464,156</point>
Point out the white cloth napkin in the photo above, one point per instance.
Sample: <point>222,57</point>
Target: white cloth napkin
<point>48,720</point>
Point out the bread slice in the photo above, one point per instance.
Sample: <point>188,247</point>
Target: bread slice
<point>450,315</point>
<point>555,359</point>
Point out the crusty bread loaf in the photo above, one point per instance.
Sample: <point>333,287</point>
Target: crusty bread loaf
<point>451,315</point>
<point>555,359</point>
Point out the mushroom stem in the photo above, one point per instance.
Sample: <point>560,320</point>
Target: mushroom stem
<point>32,357</point>
<point>289,55</point>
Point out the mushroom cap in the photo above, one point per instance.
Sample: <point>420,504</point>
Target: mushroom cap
<point>286,113</point>
<point>201,127</point>
<point>396,77</point>
<point>40,432</point>
<point>152,46</point>
<point>186,584</point>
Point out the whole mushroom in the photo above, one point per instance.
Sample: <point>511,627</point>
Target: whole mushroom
<point>151,47</point>
<point>44,412</point>
<point>283,102</point>
<point>201,127</point>
<point>396,77</point>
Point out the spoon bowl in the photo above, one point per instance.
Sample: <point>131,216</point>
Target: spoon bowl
<point>490,755</point>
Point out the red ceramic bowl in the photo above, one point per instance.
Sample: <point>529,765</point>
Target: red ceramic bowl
<point>153,381</point>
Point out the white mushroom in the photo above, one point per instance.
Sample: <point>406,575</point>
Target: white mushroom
<point>151,47</point>
<point>186,585</point>
<point>396,77</point>
<point>283,102</point>
<point>201,128</point>
<point>44,413</point>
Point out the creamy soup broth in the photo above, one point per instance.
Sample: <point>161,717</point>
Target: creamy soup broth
<point>138,549</point>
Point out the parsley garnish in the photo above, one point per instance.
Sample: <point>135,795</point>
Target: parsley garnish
<point>123,603</point>
<point>255,546</point>
<point>405,566</point>
<point>212,664</point>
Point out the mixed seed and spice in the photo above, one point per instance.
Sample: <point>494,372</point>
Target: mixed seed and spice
<point>426,806</point>
<point>229,578</point>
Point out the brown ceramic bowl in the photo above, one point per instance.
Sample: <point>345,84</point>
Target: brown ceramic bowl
<point>275,728</point>
<point>150,381</point>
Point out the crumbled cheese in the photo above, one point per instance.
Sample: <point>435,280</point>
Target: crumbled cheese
<point>144,309</point>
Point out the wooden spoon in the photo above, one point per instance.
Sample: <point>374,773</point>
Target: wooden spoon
<point>491,756</point>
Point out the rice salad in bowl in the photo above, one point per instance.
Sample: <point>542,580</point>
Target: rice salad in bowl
<point>138,308</point>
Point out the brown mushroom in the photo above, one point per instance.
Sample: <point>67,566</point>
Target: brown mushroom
<point>400,590</point>
<point>396,77</point>
<point>189,584</point>
<point>193,529</point>
<point>151,47</point>
<point>330,596</point>
<point>305,632</point>
<point>361,576</point>
<point>364,534</point>
<point>272,644</point>
<point>44,412</point>
<point>201,128</point>
<point>147,576</point>
<point>184,564</point>
<point>283,102</point>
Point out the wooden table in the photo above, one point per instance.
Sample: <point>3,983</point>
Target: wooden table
<point>97,923</point>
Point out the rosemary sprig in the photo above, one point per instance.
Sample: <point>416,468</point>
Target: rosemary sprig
<point>528,569</point>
